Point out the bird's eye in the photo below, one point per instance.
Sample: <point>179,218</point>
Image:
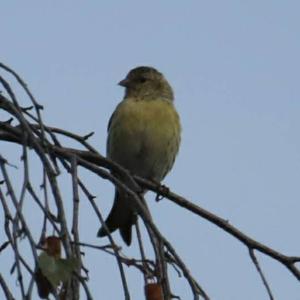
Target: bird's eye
<point>142,79</point>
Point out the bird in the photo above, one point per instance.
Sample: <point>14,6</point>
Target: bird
<point>144,134</point>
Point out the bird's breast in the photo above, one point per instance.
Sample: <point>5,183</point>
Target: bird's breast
<point>144,137</point>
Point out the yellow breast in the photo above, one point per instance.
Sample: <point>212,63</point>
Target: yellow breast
<point>144,136</point>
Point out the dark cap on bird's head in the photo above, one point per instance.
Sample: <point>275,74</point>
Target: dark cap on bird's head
<point>139,73</point>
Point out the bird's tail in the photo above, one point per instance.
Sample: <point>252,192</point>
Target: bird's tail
<point>121,217</point>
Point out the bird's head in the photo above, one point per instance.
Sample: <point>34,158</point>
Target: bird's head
<point>146,83</point>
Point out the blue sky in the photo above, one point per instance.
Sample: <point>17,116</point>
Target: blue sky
<point>234,67</point>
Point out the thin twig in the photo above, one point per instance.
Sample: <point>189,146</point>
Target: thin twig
<point>261,274</point>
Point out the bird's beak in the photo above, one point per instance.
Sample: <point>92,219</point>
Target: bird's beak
<point>124,82</point>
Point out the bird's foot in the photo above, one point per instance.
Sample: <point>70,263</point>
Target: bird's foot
<point>161,192</point>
